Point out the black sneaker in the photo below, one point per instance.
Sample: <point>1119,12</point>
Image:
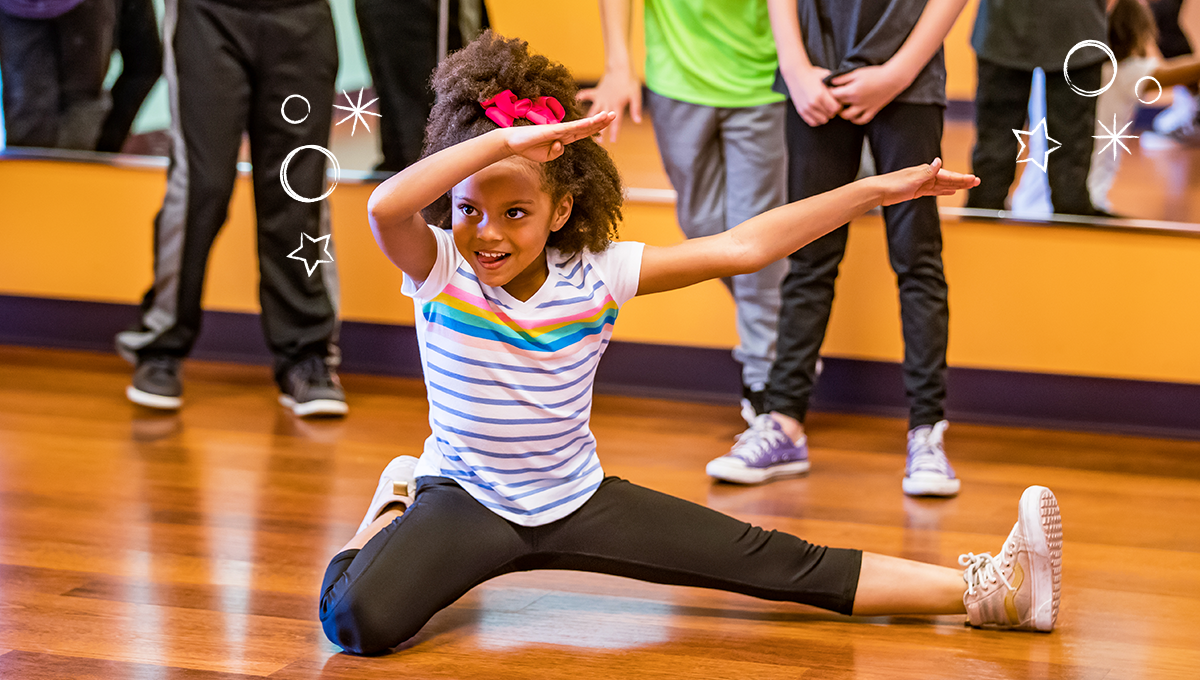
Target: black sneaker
<point>312,388</point>
<point>156,383</point>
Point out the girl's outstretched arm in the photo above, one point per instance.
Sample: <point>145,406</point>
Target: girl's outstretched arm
<point>761,240</point>
<point>395,206</point>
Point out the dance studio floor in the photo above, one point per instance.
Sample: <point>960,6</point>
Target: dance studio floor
<point>135,545</point>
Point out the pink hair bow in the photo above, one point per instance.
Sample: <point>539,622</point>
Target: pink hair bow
<point>505,108</point>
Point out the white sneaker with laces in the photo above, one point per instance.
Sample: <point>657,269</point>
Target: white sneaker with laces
<point>396,485</point>
<point>1019,588</point>
<point>927,471</point>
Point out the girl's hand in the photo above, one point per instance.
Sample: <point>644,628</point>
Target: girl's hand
<point>865,91</point>
<point>543,143</point>
<point>923,180</point>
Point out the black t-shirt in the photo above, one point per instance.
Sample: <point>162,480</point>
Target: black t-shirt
<point>1029,34</point>
<point>842,35</point>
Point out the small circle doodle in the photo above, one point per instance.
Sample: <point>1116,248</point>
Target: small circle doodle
<point>283,109</point>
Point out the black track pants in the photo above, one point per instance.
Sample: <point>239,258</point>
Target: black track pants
<point>229,70</point>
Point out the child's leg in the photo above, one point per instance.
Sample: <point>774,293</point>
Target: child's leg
<point>1000,107</point>
<point>819,159</point>
<point>632,531</point>
<point>901,136</point>
<point>376,597</point>
<point>893,585</point>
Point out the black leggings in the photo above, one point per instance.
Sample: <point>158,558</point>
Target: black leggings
<point>445,544</point>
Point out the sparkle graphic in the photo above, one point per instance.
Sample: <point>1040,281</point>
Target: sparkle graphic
<point>357,111</point>
<point>1049,149</point>
<point>1114,138</point>
<point>313,267</point>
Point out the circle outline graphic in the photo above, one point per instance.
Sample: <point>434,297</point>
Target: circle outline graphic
<point>283,106</point>
<point>1111,57</point>
<point>337,173</point>
<point>1139,82</point>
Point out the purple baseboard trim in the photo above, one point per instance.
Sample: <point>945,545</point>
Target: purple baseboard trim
<point>688,373</point>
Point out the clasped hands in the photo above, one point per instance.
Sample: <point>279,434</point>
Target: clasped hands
<point>856,96</point>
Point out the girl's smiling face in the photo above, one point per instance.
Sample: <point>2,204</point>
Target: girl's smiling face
<point>502,217</point>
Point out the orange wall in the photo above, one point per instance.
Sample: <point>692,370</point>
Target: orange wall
<point>569,31</point>
<point>1058,300</point>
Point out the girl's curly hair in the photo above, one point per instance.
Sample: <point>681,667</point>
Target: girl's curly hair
<point>491,64</point>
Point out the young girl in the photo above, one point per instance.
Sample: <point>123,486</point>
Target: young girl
<point>516,289</point>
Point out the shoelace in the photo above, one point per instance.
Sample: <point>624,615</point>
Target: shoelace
<point>160,366</point>
<point>984,568</point>
<point>928,456</point>
<point>313,372</point>
<point>755,442</point>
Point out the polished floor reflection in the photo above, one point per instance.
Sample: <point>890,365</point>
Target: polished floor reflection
<point>134,545</point>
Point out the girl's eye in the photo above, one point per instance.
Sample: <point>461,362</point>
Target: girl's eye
<point>515,213</point>
<point>467,209</point>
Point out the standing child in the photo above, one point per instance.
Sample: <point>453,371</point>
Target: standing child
<point>855,70</point>
<point>719,129</point>
<point>516,291</point>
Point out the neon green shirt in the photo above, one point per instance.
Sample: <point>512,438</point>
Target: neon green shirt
<point>711,52</point>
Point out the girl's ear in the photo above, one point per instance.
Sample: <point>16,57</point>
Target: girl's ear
<point>562,212</point>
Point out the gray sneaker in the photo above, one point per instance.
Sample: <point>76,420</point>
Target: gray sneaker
<point>156,383</point>
<point>312,388</point>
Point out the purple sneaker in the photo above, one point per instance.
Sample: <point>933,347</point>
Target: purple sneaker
<point>927,471</point>
<point>761,453</point>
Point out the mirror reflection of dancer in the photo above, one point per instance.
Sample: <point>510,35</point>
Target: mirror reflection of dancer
<point>1012,38</point>
<point>1131,35</point>
<point>516,292</point>
<point>229,67</point>
<point>719,128</point>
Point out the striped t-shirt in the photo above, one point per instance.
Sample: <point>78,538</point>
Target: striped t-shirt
<point>510,382</point>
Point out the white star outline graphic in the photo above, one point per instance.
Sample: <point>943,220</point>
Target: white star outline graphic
<point>1114,138</point>
<point>1049,149</point>
<point>357,111</point>
<point>313,267</point>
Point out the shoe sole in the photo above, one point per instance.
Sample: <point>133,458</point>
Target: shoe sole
<point>154,401</point>
<point>1041,528</point>
<point>942,488</point>
<point>743,475</point>
<point>391,489</point>
<point>316,407</point>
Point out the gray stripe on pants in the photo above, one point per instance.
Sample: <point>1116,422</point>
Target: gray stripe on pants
<point>172,219</point>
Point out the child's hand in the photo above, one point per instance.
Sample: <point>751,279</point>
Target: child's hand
<point>812,99</point>
<point>615,92</point>
<point>923,180</point>
<point>865,91</point>
<point>543,143</point>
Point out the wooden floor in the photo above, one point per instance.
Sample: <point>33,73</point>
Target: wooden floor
<point>134,545</point>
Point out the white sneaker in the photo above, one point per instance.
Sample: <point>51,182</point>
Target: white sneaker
<point>1180,114</point>
<point>1029,567</point>
<point>396,485</point>
<point>927,471</point>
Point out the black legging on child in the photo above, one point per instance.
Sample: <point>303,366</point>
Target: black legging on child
<point>445,544</point>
